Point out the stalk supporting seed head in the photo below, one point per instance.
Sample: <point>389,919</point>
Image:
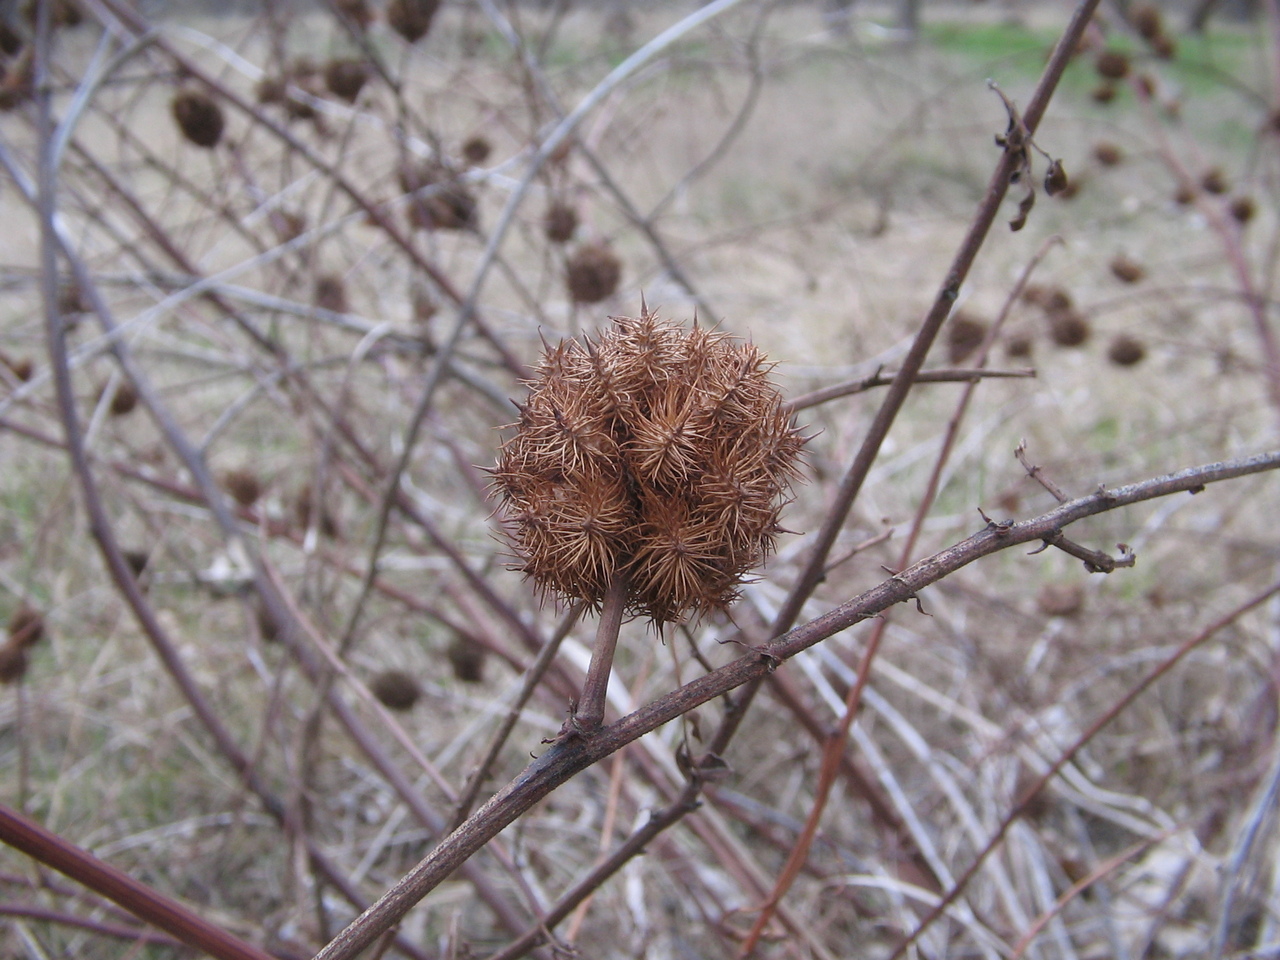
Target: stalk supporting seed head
<point>654,453</point>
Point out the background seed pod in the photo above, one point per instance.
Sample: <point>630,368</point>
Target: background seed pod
<point>964,335</point>
<point>395,689</point>
<point>1107,153</point>
<point>243,485</point>
<point>1127,270</point>
<point>448,205</point>
<point>26,626</point>
<point>1126,351</point>
<point>20,367</point>
<point>656,453</point>
<point>124,400</point>
<point>1242,209</point>
<point>1018,346</point>
<point>1146,19</point>
<point>467,660</point>
<point>592,273</point>
<point>330,293</point>
<point>1112,65</point>
<point>1068,328</point>
<point>559,222</point>
<point>476,149</point>
<point>198,117</point>
<point>13,663</point>
<point>346,78</point>
<point>357,11</point>
<point>411,18</point>
<point>1214,181</point>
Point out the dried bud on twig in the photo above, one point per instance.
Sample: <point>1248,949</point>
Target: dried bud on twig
<point>655,453</point>
<point>346,78</point>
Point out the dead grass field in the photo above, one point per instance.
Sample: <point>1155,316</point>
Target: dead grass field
<point>822,230</point>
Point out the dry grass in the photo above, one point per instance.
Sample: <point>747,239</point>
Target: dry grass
<point>822,233</point>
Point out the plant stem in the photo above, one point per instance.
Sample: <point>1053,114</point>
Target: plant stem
<point>589,714</point>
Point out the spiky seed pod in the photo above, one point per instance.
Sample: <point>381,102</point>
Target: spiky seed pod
<point>592,273</point>
<point>652,452</point>
<point>467,660</point>
<point>1126,351</point>
<point>330,293</point>
<point>26,626</point>
<point>124,400</point>
<point>1068,328</point>
<point>559,222</point>
<point>13,663</point>
<point>1112,64</point>
<point>1127,270</point>
<point>243,485</point>
<point>476,150</point>
<point>1214,181</point>
<point>1107,153</point>
<point>1242,209</point>
<point>198,117</point>
<point>395,689</point>
<point>1146,19</point>
<point>411,18</point>
<point>965,333</point>
<point>345,78</point>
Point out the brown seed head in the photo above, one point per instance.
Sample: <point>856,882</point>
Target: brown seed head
<point>330,293</point>
<point>445,202</point>
<point>467,660</point>
<point>396,689</point>
<point>654,452</point>
<point>13,663</point>
<point>559,222</point>
<point>1107,153</point>
<point>476,150</point>
<point>1018,346</point>
<point>1104,92</point>
<point>1243,208</point>
<point>1060,599</point>
<point>1112,64</point>
<point>592,273</point>
<point>346,78</point>
<point>1214,181</point>
<point>1125,351</point>
<point>1127,270</point>
<point>1164,46</point>
<point>1068,328</point>
<point>20,367</point>
<point>1146,19</point>
<point>124,399</point>
<point>964,335</point>
<point>243,485</point>
<point>357,11</point>
<point>411,18</point>
<point>26,626</point>
<point>199,118</point>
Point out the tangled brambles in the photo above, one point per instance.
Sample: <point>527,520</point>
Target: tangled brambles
<point>654,453</point>
<point>592,273</point>
<point>198,117</point>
